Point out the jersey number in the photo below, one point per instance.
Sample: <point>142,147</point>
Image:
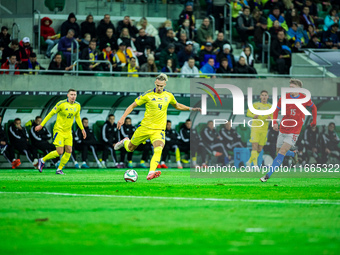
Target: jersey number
<point>292,112</point>
<point>69,115</point>
<point>160,106</point>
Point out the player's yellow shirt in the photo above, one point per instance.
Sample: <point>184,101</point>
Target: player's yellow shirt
<point>156,106</point>
<point>260,106</point>
<point>66,114</point>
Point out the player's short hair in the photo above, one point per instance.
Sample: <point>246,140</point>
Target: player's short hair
<point>191,58</point>
<point>331,123</point>
<point>93,41</point>
<point>296,82</point>
<point>127,118</point>
<point>16,119</point>
<point>84,119</point>
<point>264,91</point>
<point>162,77</point>
<point>209,121</point>
<point>188,120</point>
<point>38,117</point>
<point>71,90</point>
<point>110,115</point>
<point>168,121</point>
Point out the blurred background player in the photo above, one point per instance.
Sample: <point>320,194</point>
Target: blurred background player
<point>259,129</point>
<point>213,141</point>
<point>172,139</point>
<point>311,148</point>
<point>67,110</point>
<point>153,124</point>
<point>6,149</point>
<point>289,132</point>
<point>330,141</point>
<point>88,143</point>
<point>126,131</point>
<point>40,139</point>
<point>189,136</point>
<point>230,137</point>
<point>110,137</point>
<point>18,137</point>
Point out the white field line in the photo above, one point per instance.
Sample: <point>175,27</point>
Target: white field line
<point>255,230</point>
<point>309,201</point>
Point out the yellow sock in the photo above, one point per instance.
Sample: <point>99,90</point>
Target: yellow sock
<point>130,161</point>
<point>178,154</point>
<point>253,157</point>
<point>126,145</point>
<point>142,161</point>
<point>51,155</point>
<point>156,158</point>
<point>255,154</point>
<point>64,160</point>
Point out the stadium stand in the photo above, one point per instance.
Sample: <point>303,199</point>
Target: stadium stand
<point>150,42</point>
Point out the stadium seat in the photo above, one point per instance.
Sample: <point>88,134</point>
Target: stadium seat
<point>244,132</point>
<point>178,126</point>
<point>252,43</point>
<point>234,31</point>
<point>241,155</point>
<point>97,129</point>
<point>266,13</point>
<point>200,127</point>
<point>52,5</point>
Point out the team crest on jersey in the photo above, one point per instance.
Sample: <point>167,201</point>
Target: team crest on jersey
<point>75,109</point>
<point>166,99</point>
<point>59,142</point>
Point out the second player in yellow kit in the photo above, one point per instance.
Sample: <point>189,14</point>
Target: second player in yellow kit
<point>258,135</point>
<point>154,122</point>
<point>67,110</point>
<point>62,131</point>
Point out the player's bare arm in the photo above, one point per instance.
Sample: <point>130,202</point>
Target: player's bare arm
<point>126,113</point>
<point>182,107</point>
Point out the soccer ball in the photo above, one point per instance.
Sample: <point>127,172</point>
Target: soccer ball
<point>130,176</point>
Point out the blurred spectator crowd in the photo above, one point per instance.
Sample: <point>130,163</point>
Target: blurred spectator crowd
<point>180,46</point>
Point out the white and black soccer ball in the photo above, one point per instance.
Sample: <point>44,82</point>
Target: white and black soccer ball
<point>130,175</point>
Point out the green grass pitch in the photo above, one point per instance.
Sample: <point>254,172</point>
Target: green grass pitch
<point>244,216</point>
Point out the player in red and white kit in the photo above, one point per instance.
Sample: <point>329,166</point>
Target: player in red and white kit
<point>290,127</point>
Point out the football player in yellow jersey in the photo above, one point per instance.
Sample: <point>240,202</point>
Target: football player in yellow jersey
<point>153,124</point>
<point>258,135</point>
<point>67,110</point>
